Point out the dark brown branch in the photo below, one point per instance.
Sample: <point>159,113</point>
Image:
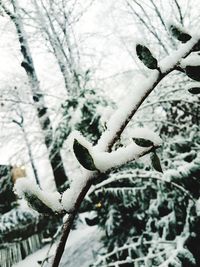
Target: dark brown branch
<point>61,246</point>
<point>68,224</point>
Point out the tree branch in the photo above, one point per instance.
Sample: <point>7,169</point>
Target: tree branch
<point>115,127</point>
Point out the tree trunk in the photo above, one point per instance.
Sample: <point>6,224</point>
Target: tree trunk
<point>38,97</point>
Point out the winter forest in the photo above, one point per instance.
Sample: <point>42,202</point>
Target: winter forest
<point>99,136</point>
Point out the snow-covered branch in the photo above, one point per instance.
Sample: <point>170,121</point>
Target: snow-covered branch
<point>143,141</point>
<point>115,127</point>
<point>160,250</point>
<point>42,201</point>
<point>133,176</point>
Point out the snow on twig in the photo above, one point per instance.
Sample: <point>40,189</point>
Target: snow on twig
<point>25,186</point>
<point>104,161</point>
<point>118,122</point>
<point>125,110</point>
<point>175,58</point>
<point>134,175</point>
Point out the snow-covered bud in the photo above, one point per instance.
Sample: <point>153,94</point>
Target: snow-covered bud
<point>39,200</point>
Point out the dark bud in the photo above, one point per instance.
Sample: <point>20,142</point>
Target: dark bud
<point>92,222</point>
<point>42,111</point>
<point>36,204</point>
<point>155,161</point>
<point>193,72</point>
<point>36,98</point>
<point>179,34</point>
<point>194,90</point>
<point>83,156</point>
<point>186,258</point>
<point>145,55</point>
<point>142,142</point>
<point>87,72</point>
<point>197,47</point>
<point>27,67</point>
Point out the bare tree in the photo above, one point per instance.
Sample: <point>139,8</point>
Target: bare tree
<point>37,94</point>
<point>56,21</point>
<point>20,123</point>
<point>22,130</point>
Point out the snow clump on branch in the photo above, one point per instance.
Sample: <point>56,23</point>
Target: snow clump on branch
<point>37,198</point>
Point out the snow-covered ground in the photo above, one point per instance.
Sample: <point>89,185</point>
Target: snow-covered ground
<point>81,249</point>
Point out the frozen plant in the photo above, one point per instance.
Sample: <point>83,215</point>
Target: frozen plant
<point>102,157</point>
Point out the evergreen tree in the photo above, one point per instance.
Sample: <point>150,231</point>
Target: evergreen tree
<point>7,196</point>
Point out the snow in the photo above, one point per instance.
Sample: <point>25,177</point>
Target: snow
<point>192,60</point>
<point>80,138</point>
<point>87,242</point>
<point>170,61</point>
<point>32,260</point>
<point>70,195</point>
<point>146,133</point>
<point>170,174</point>
<point>126,108</point>
<point>105,160</point>
<point>12,218</point>
<point>45,172</point>
<point>85,238</point>
<point>198,207</point>
<point>192,85</point>
<point>52,200</point>
<point>105,113</point>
